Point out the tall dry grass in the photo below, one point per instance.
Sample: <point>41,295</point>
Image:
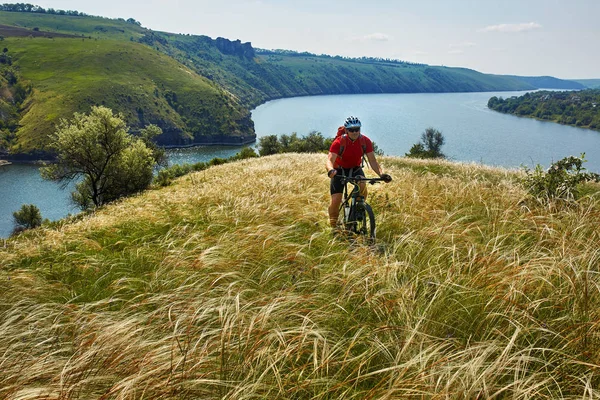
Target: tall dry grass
<point>230,285</point>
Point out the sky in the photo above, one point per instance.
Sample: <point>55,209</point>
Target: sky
<point>559,38</point>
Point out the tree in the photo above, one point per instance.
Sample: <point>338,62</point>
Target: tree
<point>29,216</point>
<point>430,145</point>
<point>148,134</point>
<point>97,148</point>
<point>417,151</point>
<point>268,145</point>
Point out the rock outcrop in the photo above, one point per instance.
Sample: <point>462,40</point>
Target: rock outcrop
<point>235,47</point>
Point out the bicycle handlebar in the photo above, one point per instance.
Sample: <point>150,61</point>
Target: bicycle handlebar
<point>372,181</point>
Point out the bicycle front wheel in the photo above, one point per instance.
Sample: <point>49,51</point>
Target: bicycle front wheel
<point>365,225</point>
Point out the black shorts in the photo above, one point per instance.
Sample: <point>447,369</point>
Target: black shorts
<point>336,185</point>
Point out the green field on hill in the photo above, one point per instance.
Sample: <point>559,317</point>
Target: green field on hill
<point>97,27</point>
<point>222,286</point>
<point>146,86</point>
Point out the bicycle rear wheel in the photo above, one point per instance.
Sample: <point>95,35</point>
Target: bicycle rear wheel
<point>365,224</point>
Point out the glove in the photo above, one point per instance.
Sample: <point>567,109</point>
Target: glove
<point>386,178</point>
<point>331,173</point>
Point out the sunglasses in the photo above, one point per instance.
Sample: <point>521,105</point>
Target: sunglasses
<point>353,130</point>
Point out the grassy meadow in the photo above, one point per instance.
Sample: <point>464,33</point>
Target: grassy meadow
<point>96,27</point>
<point>229,284</point>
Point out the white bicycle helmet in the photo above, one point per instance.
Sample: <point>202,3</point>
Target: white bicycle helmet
<point>352,122</point>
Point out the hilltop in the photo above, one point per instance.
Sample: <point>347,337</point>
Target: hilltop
<point>199,90</point>
<point>229,285</point>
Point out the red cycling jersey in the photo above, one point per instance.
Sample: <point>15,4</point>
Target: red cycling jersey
<point>353,151</point>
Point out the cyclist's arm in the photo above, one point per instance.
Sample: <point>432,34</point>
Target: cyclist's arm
<point>373,163</point>
<point>331,157</point>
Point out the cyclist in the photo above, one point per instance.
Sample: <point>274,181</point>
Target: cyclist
<point>345,158</point>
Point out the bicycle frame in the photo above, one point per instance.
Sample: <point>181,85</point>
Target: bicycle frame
<point>356,212</point>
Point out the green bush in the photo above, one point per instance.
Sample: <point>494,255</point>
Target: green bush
<point>29,216</point>
<point>217,161</point>
<point>164,177</point>
<point>430,145</point>
<point>246,152</point>
<point>314,142</point>
<point>561,181</point>
<point>268,145</point>
<point>199,166</point>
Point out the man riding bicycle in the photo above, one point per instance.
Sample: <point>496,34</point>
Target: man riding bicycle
<point>345,159</point>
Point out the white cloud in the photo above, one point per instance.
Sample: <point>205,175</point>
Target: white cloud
<point>377,37</point>
<point>456,51</point>
<point>512,28</point>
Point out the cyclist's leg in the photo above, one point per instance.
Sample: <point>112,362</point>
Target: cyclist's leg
<point>334,209</point>
<point>362,185</point>
<point>336,189</point>
<point>363,189</point>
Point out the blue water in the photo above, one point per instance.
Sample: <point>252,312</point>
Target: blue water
<point>394,121</point>
<point>22,184</point>
<point>472,131</point>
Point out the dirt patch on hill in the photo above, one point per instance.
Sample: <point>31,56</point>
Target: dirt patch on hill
<point>14,31</point>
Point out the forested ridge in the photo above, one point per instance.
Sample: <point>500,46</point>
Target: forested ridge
<point>581,108</point>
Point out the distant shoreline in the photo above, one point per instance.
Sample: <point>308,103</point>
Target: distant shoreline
<point>41,159</point>
<point>210,144</point>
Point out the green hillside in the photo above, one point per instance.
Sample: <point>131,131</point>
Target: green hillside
<point>71,75</point>
<point>326,75</point>
<point>549,82</point>
<point>222,286</point>
<point>97,27</point>
<point>256,75</point>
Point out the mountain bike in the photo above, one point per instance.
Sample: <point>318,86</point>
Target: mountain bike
<point>356,215</point>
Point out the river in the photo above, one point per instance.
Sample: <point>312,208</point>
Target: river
<point>395,122</point>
